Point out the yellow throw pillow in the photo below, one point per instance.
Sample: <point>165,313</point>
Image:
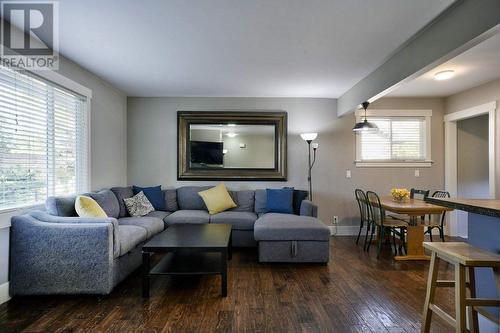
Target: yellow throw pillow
<point>217,199</point>
<point>88,207</point>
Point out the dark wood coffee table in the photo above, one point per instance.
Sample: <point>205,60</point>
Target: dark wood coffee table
<point>191,249</point>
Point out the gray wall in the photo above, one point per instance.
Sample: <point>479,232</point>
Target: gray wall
<point>152,131</point>
<point>472,158</point>
<point>482,94</point>
<point>4,255</point>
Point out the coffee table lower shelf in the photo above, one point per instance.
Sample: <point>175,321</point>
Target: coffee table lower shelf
<point>186,263</point>
<point>202,263</point>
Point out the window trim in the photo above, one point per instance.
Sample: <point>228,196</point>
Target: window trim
<point>426,163</point>
<point>66,83</point>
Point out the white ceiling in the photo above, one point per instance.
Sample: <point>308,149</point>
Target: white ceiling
<point>475,66</point>
<point>288,48</point>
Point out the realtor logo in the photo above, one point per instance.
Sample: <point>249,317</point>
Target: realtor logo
<point>29,36</point>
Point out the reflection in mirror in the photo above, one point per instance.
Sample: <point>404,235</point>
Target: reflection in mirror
<point>232,146</point>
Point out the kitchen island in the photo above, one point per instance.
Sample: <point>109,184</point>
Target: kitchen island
<point>483,232</point>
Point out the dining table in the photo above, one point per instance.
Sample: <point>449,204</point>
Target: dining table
<point>414,209</point>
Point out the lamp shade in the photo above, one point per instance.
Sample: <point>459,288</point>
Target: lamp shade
<point>365,126</point>
<point>309,136</point>
<point>315,145</point>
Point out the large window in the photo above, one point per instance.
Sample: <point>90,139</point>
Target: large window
<point>400,141</point>
<point>43,140</point>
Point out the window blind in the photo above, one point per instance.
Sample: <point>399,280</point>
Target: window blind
<point>43,140</point>
<point>398,139</point>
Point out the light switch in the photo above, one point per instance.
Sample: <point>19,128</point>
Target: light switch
<point>348,174</point>
<point>417,173</point>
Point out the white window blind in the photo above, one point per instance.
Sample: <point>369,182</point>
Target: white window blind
<point>398,139</point>
<point>43,140</point>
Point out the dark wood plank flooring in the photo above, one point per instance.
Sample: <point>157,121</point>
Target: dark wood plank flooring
<point>354,293</point>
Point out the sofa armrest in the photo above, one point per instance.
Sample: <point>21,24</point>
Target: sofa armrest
<point>308,208</point>
<point>45,217</point>
<point>60,257</point>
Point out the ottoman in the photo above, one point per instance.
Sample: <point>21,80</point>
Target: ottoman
<point>292,238</point>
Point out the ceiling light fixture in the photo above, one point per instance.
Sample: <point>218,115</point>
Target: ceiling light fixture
<point>444,75</point>
<point>231,134</point>
<point>365,126</point>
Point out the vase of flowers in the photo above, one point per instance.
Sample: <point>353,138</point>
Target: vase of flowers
<point>400,194</point>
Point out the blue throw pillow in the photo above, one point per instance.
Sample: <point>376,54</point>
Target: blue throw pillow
<point>154,195</point>
<point>280,200</point>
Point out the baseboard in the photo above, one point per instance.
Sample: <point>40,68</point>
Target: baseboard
<point>345,230</point>
<point>4,292</point>
<point>352,230</point>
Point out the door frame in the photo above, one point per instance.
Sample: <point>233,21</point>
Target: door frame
<point>450,149</point>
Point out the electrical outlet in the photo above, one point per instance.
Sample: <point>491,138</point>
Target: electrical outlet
<point>335,220</point>
<point>348,174</point>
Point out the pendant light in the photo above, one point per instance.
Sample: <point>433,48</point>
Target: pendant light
<point>365,126</point>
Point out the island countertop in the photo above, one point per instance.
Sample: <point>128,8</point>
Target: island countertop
<point>488,207</point>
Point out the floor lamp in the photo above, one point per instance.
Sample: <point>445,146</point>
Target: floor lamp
<point>309,137</point>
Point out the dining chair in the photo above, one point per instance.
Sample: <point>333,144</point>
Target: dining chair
<point>419,194</point>
<point>363,213</point>
<point>385,224</point>
<point>430,224</point>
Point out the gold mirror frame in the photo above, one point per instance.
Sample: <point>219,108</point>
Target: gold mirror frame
<point>276,118</point>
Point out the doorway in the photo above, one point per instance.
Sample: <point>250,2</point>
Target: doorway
<point>469,159</point>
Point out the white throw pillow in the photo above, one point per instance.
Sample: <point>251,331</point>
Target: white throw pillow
<point>138,205</point>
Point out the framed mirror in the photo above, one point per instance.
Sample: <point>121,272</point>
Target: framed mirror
<point>231,145</point>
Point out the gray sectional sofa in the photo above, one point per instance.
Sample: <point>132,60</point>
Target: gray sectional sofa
<point>56,252</point>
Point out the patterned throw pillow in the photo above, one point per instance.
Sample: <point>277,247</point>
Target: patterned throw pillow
<point>138,205</point>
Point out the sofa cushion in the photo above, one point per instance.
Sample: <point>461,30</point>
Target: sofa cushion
<point>152,225</point>
<point>280,200</point>
<point>154,195</point>
<point>188,216</point>
<point>217,199</point>
<point>61,206</point>
<point>130,236</point>
<point>120,194</point>
<point>170,195</point>
<point>298,197</point>
<point>260,201</point>
<point>287,227</point>
<point>108,202</point>
<point>138,205</point>
<point>245,200</point>
<point>159,214</point>
<point>188,197</point>
<point>88,207</point>
<point>239,220</point>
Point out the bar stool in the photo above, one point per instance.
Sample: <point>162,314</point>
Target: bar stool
<point>464,257</point>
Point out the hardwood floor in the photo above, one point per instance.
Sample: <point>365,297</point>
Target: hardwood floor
<point>354,293</point>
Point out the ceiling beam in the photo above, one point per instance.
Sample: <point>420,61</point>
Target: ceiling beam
<point>461,26</point>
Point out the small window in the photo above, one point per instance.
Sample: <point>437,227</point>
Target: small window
<point>43,140</point>
<point>400,141</point>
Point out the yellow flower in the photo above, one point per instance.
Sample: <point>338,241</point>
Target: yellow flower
<point>400,193</point>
